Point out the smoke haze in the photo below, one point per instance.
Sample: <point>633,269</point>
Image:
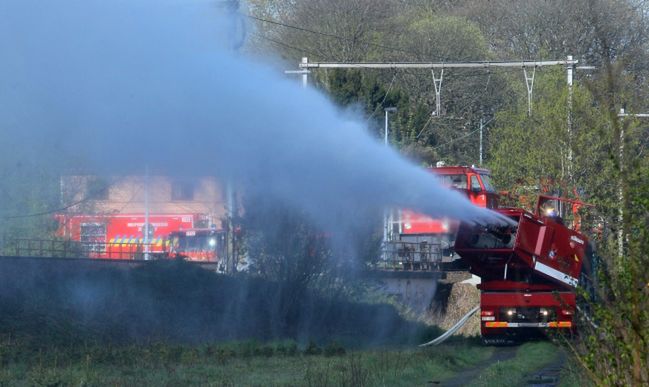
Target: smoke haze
<point>123,84</point>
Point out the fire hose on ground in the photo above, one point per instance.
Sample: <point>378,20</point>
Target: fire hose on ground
<point>452,330</point>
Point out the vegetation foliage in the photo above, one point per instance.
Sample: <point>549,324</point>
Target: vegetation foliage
<point>54,303</point>
<point>573,144</point>
<point>528,154</point>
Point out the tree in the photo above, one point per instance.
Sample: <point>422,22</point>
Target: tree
<point>528,148</point>
<point>334,30</point>
<point>467,96</point>
<point>399,32</point>
<point>526,153</point>
<point>28,193</point>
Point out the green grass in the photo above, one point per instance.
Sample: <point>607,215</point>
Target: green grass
<point>573,375</point>
<point>246,364</point>
<point>173,324</point>
<point>530,357</point>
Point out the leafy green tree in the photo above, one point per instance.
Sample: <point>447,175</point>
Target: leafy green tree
<point>28,194</point>
<point>531,153</point>
<point>414,33</point>
<point>539,152</point>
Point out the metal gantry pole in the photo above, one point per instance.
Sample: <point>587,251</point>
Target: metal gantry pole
<point>483,124</point>
<point>569,79</point>
<point>529,83</point>
<point>481,129</point>
<point>385,137</point>
<point>620,215</point>
<point>437,82</point>
<point>303,72</point>
<point>146,213</point>
<point>231,264</point>
<point>433,65</point>
<point>621,196</point>
<point>529,80</point>
<point>387,218</point>
<point>385,211</point>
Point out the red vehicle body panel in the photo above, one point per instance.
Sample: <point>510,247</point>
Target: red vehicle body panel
<point>418,224</point>
<point>493,300</point>
<point>544,250</point>
<point>120,236</point>
<point>463,179</point>
<point>124,225</point>
<point>526,312</point>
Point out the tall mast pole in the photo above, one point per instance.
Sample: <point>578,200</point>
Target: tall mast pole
<point>146,213</point>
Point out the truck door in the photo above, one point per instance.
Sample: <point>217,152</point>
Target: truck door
<point>93,238</point>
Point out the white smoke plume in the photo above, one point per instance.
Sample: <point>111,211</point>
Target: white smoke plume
<point>121,84</point>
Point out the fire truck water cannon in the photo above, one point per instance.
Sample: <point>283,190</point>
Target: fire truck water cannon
<point>529,269</point>
<point>415,241</point>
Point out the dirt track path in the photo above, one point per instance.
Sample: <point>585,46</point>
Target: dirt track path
<point>549,375</point>
<point>465,377</point>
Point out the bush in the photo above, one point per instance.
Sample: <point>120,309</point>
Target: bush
<point>334,349</point>
<point>312,349</point>
<point>61,303</point>
<point>266,351</point>
<point>288,348</point>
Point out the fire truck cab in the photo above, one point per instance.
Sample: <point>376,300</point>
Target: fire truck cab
<point>198,244</point>
<point>474,182</point>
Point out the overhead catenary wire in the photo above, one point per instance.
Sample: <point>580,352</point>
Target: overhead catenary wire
<point>330,35</point>
<point>569,63</point>
<point>524,64</point>
<point>48,212</point>
<point>469,74</point>
<point>66,207</point>
<point>430,118</point>
<point>456,139</point>
<point>414,65</point>
<point>285,45</point>
<point>384,98</point>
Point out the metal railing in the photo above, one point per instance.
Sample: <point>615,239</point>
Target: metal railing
<point>410,256</point>
<point>59,248</point>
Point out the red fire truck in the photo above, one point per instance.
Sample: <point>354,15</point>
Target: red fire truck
<point>529,270</point>
<point>121,236</point>
<point>198,244</point>
<point>417,235</point>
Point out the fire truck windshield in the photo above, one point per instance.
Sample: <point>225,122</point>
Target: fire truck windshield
<point>486,181</point>
<point>196,243</point>
<point>455,181</point>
